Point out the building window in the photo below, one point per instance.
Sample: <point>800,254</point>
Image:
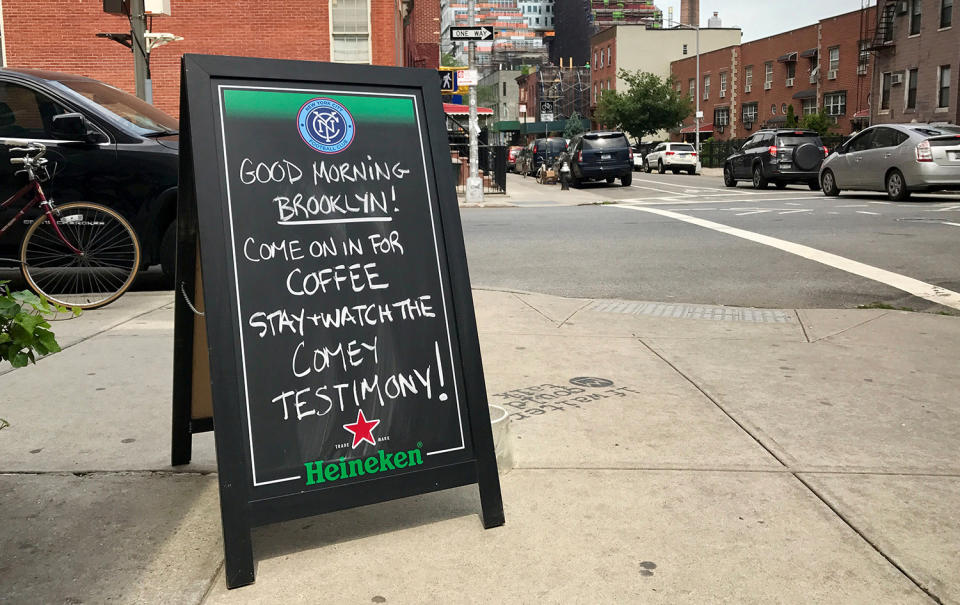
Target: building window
<point>747,78</point>
<point>943,97</point>
<point>768,74</point>
<point>912,77</point>
<point>946,13</point>
<point>773,109</point>
<point>350,28</point>
<point>835,103</point>
<point>609,62</point>
<point>601,58</point>
<point>809,107</point>
<point>834,54</point>
<point>791,70</point>
<point>693,85</point>
<point>750,112</point>
<point>595,59</point>
<point>721,116</point>
<point>723,83</point>
<point>863,57</point>
<point>595,97</point>
<point>783,108</point>
<point>885,91</point>
<point>915,15</point>
<point>706,87</point>
<point>684,49</point>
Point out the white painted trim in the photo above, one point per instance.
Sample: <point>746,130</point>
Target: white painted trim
<point>3,36</point>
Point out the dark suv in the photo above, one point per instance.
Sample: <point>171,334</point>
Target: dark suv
<point>546,151</point>
<point>778,156</point>
<point>125,158</point>
<point>601,155</point>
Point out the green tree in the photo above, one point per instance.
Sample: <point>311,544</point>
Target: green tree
<point>820,122</point>
<point>650,103</point>
<point>448,60</point>
<point>791,117</point>
<point>574,126</point>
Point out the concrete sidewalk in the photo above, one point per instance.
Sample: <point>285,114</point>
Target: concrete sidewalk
<point>719,455</point>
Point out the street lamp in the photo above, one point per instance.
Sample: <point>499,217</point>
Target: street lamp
<point>697,89</point>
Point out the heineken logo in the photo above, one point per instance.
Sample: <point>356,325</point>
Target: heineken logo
<point>325,472</point>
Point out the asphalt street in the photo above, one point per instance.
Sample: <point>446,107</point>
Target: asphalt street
<point>643,245</point>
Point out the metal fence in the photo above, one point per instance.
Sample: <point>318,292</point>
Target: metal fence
<point>492,166</point>
<point>713,152</point>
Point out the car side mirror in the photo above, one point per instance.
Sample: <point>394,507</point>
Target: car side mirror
<point>840,149</point>
<point>71,127</point>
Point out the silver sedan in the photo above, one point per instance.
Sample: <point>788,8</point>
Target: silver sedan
<point>896,158</point>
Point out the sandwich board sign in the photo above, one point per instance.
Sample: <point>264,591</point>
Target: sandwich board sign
<point>344,366</point>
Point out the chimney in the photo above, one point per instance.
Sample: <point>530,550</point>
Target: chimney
<point>690,12</point>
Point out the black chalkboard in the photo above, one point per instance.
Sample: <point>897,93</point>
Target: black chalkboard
<point>344,361</point>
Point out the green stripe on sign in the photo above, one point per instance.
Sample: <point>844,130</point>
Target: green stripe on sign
<point>272,104</point>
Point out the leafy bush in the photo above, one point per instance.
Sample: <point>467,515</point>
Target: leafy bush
<point>24,330</point>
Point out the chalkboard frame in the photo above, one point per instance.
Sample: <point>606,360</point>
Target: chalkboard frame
<point>240,508</point>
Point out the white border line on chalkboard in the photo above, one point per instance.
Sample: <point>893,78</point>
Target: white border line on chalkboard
<point>233,247</point>
<point>366,219</point>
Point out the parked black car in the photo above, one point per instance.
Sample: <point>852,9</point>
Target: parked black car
<point>126,159</point>
<point>601,155</point>
<point>778,156</point>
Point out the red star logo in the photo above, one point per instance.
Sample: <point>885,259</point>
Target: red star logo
<point>362,430</point>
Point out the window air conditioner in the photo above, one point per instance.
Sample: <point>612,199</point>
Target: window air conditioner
<point>896,79</point>
<point>767,85</point>
<point>789,82</point>
<point>832,74</point>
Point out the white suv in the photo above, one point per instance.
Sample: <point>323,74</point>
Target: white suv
<point>673,156</point>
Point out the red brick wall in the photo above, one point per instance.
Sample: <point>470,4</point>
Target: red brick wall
<point>422,34</point>
<point>601,43</point>
<point>283,29</point>
<point>712,64</point>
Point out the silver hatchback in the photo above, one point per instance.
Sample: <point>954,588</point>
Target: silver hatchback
<point>896,158</point>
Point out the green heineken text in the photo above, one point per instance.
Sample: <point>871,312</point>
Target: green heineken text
<point>321,472</point>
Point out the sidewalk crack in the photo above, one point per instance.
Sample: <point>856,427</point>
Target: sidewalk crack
<point>580,308</point>
<point>862,323</point>
<point>542,314</point>
<point>802,327</point>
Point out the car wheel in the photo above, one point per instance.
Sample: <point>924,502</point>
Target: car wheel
<point>675,170</point>
<point>646,167</point>
<point>168,254</point>
<point>728,179</point>
<point>626,180</point>
<point>692,171</point>
<point>660,167</point>
<point>611,179</point>
<point>759,182</point>
<point>813,185</point>
<point>829,184</point>
<point>780,185</point>
<point>897,186</point>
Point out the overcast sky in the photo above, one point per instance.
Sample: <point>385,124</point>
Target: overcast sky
<point>762,18</point>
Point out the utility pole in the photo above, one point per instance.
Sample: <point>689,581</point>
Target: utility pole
<point>474,182</point>
<point>141,69</point>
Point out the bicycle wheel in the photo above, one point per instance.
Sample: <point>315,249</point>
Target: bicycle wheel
<point>105,268</point>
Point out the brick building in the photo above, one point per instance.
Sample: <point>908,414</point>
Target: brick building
<point>364,31</point>
<point>916,65</point>
<point>748,86</point>
<point>421,34</point>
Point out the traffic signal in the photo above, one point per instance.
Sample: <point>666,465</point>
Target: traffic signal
<point>117,7</point>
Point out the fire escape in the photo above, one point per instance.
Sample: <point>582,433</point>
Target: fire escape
<point>882,34</point>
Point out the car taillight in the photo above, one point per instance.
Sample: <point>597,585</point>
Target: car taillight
<point>693,153</point>
<point>670,152</point>
<point>826,151</point>
<point>631,154</point>
<point>773,150</point>
<point>924,153</point>
<point>579,156</point>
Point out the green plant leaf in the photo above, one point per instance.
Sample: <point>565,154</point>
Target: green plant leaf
<point>47,339</point>
<point>19,360</point>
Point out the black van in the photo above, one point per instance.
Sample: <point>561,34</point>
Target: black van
<point>601,155</point>
<point>125,159</point>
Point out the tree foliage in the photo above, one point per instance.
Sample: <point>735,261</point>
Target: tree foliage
<point>820,122</point>
<point>574,126</point>
<point>649,104</point>
<point>791,117</point>
<point>448,60</point>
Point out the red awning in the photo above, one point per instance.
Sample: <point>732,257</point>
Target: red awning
<point>863,113</point>
<point>464,110</point>
<point>693,128</point>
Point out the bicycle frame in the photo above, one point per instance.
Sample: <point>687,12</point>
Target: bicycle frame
<point>38,198</point>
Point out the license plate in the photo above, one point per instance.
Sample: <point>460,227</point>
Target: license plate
<point>605,156</point>
<point>954,156</point>
<point>681,154</point>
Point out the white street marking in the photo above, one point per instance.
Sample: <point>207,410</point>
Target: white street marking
<point>798,210</point>
<point>887,203</point>
<point>951,224</point>
<point>901,282</point>
<point>945,209</point>
<point>760,211</point>
<point>852,206</point>
<point>791,204</point>
<point>661,190</point>
<point>865,212</point>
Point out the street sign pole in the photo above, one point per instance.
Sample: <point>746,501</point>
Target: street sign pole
<point>474,182</point>
<point>138,43</point>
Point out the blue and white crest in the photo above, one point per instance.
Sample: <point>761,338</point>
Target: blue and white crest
<point>325,125</point>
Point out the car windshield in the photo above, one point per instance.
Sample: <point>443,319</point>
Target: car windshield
<point>938,131</point>
<point>123,109</point>
<point>796,141</point>
<point>603,141</point>
<point>681,148</point>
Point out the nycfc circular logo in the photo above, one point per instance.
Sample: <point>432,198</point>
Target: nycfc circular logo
<point>325,125</point>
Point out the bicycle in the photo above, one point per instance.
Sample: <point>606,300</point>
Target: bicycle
<point>79,254</point>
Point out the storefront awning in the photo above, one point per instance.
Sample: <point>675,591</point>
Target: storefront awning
<point>454,109</point>
<point>708,127</point>
<point>862,114</point>
<point>787,57</point>
<point>810,93</point>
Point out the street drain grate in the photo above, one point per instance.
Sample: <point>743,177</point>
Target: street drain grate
<point>682,311</point>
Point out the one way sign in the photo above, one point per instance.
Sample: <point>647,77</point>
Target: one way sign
<point>471,33</point>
